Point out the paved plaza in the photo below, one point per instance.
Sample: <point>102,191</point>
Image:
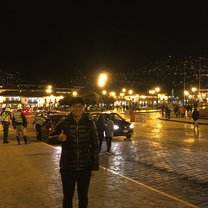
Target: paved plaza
<point>30,179</point>
<point>141,173</point>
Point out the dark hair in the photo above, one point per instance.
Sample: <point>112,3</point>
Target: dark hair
<point>76,100</point>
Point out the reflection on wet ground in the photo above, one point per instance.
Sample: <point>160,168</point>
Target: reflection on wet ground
<point>169,156</point>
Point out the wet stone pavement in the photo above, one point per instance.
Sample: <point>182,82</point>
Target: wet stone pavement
<point>165,165</point>
<point>30,179</point>
<point>174,173</point>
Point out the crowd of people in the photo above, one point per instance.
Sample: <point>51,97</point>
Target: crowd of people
<point>181,111</point>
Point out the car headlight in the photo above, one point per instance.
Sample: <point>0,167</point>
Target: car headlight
<point>116,127</point>
<point>131,126</point>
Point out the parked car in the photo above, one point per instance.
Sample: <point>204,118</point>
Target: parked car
<point>48,124</point>
<point>121,126</point>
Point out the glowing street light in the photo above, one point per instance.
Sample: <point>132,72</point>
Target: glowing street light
<point>124,90</point>
<point>74,93</point>
<point>186,93</point>
<point>151,92</point>
<point>193,89</point>
<point>130,92</point>
<point>49,89</point>
<point>112,94</point>
<point>104,92</point>
<point>102,79</point>
<point>157,89</point>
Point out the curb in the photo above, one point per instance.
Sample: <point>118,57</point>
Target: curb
<point>180,121</point>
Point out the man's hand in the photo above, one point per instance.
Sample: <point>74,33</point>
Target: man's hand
<point>62,136</point>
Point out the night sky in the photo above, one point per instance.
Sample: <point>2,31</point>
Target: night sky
<point>36,39</point>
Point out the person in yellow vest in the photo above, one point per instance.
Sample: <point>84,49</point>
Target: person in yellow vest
<point>5,121</point>
<point>19,122</point>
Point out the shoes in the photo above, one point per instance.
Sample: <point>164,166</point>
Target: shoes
<point>5,142</point>
<point>108,153</point>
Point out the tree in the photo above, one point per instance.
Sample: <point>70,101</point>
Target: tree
<point>92,98</point>
<point>65,100</point>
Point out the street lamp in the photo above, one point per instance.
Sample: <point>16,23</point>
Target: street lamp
<point>102,79</point>
<point>186,93</point>
<point>74,93</point>
<point>104,92</point>
<point>194,89</point>
<point>152,92</point>
<point>157,90</point>
<point>130,92</point>
<point>49,89</point>
<point>124,90</point>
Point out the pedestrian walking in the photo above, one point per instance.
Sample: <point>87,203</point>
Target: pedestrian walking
<point>195,116</point>
<point>19,122</point>
<point>79,156</point>
<point>109,131</point>
<point>5,121</point>
<point>100,124</point>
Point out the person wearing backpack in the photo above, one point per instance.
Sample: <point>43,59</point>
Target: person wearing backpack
<point>5,121</point>
<point>19,122</point>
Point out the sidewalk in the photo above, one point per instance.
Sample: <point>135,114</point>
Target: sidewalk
<point>30,179</point>
<point>186,120</point>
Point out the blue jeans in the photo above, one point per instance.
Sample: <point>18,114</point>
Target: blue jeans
<point>69,181</point>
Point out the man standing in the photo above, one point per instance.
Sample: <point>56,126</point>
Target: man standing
<point>5,121</point>
<point>19,122</point>
<point>79,156</point>
<point>109,131</point>
<point>195,116</point>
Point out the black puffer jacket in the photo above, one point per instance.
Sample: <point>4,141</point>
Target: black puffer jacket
<point>80,150</point>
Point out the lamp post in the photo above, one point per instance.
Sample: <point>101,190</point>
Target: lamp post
<point>101,83</point>
<point>152,92</point>
<point>157,90</point>
<point>49,91</point>
<point>130,92</point>
<point>123,102</point>
<point>186,93</point>
<point>194,89</point>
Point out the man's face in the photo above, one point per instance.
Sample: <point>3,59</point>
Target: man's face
<point>77,109</point>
